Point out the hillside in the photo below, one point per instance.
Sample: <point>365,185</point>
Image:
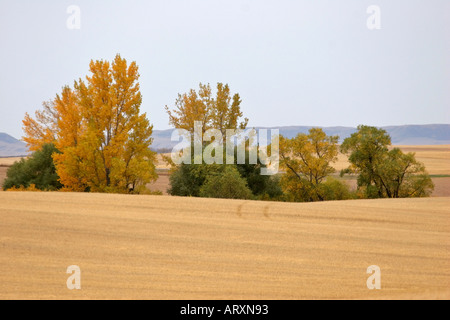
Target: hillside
<point>433,134</point>
<point>159,247</point>
<point>11,147</point>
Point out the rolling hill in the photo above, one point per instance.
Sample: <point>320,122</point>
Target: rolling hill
<point>432,134</point>
<point>11,147</point>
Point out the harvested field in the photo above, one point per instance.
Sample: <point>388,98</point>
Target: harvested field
<point>441,187</point>
<point>160,247</point>
<point>8,161</point>
<point>2,175</point>
<point>161,184</point>
<point>436,158</point>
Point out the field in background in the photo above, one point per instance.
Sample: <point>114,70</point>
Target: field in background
<point>161,247</point>
<point>9,161</point>
<point>435,157</point>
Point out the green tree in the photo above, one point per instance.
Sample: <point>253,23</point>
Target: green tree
<point>366,149</point>
<point>272,190</point>
<point>251,172</point>
<point>384,173</point>
<point>334,189</point>
<point>187,179</point>
<point>38,169</point>
<point>227,184</point>
<point>220,111</point>
<point>402,176</point>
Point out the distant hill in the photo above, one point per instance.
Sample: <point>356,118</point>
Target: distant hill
<point>432,134</point>
<point>420,134</point>
<point>11,147</point>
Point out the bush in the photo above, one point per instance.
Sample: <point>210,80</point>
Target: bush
<point>38,170</point>
<point>187,179</point>
<point>227,184</point>
<point>272,190</point>
<point>301,190</point>
<point>31,187</point>
<point>334,189</point>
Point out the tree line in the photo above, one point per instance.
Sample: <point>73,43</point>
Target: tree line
<point>93,137</point>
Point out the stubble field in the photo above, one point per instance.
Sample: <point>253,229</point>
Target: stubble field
<point>163,247</point>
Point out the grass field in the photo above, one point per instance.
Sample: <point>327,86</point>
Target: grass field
<point>161,247</point>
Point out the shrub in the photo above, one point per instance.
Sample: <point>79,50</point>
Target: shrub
<point>31,187</point>
<point>273,190</point>
<point>38,170</point>
<point>227,184</point>
<point>334,189</point>
<point>187,179</point>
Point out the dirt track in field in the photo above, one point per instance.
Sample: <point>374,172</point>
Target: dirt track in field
<point>160,247</point>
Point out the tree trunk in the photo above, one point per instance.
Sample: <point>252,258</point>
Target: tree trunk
<point>108,179</point>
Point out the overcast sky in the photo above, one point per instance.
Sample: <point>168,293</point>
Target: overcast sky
<point>293,62</point>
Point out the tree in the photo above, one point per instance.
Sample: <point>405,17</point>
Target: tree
<point>42,130</point>
<point>221,112</point>
<point>384,173</point>
<point>403,176</point>
<point>187,179</point>
<point>366,149</point>
<point>97,126</point>
<point>227,184</point>
<point>334,189</point>
<point>306,159</point>
<point>38,170</point>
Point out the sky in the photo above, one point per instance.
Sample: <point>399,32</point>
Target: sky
<point>292,62</point>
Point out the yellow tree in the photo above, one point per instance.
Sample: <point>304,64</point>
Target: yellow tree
<point>41,130</point>
<point>306,159</point>
<point>221,112</point>
<point>227,111</point>
<point>103,138</point>
<point>69,129</point>
<point>191,107</point>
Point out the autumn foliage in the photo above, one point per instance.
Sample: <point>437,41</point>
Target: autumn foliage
<point>220,111</point>
<point>307,160</point>
<point>97,126</point>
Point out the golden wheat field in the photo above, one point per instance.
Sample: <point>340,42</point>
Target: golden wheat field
<point>436,158</point>
<point>8,161</point>
<point>162,247</point>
